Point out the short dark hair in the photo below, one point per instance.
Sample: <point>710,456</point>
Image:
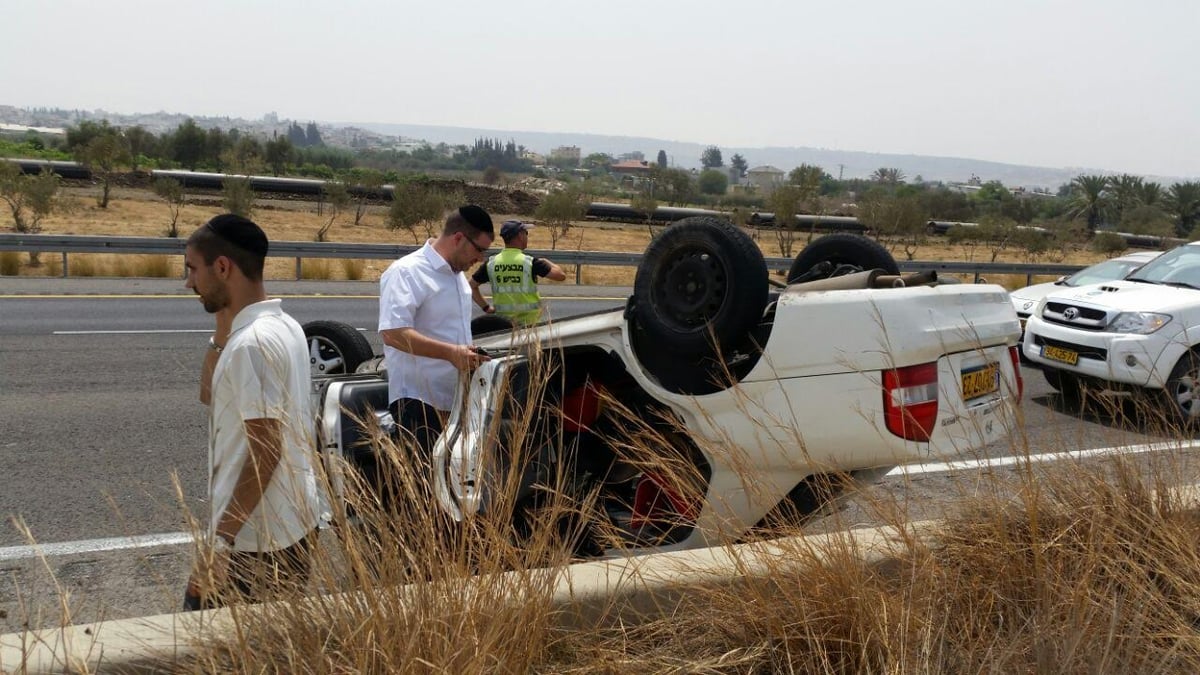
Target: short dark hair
<point>469,219</point>
<point>234,237</point>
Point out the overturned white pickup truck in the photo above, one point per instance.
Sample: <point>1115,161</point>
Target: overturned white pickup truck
<point>773,400</point>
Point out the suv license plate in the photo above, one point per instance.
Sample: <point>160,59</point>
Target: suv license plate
<point>980,381</point>
<point>1059,354</point>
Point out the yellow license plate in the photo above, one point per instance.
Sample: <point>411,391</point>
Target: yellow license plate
<point>980,381</point>
<point>1059,354</point>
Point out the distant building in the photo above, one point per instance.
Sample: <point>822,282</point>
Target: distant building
<point>765,177</point>
<point>631,172</point>
<point>535,158</point>
<point>565,153</point>
<point>636,156</point>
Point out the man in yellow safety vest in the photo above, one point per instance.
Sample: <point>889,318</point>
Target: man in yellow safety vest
<point>513,276</point>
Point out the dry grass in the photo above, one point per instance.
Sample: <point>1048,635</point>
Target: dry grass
<point>139,213</point>
<point>1076,569</point>
<point>1069,568</point>
<point>10,263</point>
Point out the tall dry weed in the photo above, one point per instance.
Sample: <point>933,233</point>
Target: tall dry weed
<point>353,268</point>
<point>316,268</point>
<point>10,263</point>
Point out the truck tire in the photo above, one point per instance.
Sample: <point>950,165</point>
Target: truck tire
<point>335,348</point>
<point>843,249</point>
<point>1064,383</point>
<point>702,283</point>
<point>1183,390</point>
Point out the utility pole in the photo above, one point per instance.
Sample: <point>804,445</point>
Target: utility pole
<point>840,167</point>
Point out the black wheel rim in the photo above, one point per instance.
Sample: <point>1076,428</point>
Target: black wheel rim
<point>691,287</point>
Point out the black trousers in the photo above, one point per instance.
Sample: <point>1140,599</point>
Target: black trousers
<point>259,576</point>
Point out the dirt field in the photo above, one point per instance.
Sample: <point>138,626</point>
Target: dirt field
<point>139,213</point>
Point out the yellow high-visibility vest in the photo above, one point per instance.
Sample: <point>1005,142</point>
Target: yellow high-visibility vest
<point>514,292</point>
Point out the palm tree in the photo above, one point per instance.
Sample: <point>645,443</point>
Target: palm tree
<point>1123,194</point>
<point>1089,198</point>
<point>888,176</point>
<point>1150,194</point>
<point>1183,202</point>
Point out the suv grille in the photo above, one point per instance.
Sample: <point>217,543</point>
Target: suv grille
<point>1083,318</point>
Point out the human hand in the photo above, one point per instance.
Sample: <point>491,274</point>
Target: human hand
<point>468,357</point>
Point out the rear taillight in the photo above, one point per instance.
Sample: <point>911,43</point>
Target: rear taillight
<point>1015,354</point>
<point>910,401</point>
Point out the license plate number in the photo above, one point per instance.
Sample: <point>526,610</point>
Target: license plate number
<point>1059,354</point>
<point>980,381</point>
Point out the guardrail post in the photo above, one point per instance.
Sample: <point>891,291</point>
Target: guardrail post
<point>64,255</point>
<point>578,274</point>
<point>298,268</point>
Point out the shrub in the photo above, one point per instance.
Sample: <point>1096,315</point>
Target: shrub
<point>158,266</point>
<point>316,268</point>
<point>1108,243</point>
<point>82,265</point>
<point>10,263</point>
<point>353,268</point>
<point>237,196</point>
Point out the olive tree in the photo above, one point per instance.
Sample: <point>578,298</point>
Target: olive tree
<point>645,204</point>
<point>416,204</point>
<point>103,154</point>
<point>237,196</point>
<point>337,195</point>
<point>30,198</point>
<point>558,210</point>
<point>786,201</point>
<point>901,219</point>
<point>172,193</point>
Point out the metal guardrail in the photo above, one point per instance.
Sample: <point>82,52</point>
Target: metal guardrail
<point>68,244</point>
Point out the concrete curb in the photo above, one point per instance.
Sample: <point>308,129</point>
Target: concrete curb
<point>586,593</point>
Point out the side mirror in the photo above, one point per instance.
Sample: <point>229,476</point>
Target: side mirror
<point>1060,281</point>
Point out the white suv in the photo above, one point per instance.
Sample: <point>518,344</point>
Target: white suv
<point>1139,333</point>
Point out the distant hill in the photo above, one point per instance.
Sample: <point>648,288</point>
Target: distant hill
<point>848,164</point>
<point>687,155</point>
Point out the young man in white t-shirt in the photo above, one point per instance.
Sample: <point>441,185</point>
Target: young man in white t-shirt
<point>256,380</point>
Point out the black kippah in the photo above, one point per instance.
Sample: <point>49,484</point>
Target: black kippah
<point>241,232</point>
<point>478,218</point>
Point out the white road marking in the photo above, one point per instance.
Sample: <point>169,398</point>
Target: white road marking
<point>177,538</point>
<point>94,545</point>
<point>143,331</point>
<point>990,463</point>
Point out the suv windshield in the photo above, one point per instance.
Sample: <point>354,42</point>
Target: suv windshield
<point>1180,266</point>
<point>1100,272</point>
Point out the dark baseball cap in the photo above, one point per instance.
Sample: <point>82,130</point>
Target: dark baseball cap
<point>512,228</point>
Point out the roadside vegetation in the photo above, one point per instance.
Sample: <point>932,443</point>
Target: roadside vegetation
<point>1068,225</point>
<point>1068,567</point>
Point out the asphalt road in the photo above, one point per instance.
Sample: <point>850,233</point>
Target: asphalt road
<point>98,410</point>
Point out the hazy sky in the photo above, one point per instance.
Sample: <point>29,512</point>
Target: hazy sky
<point>1103,84</point>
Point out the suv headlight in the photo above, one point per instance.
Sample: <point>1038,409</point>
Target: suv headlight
<point>1140,323</point>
